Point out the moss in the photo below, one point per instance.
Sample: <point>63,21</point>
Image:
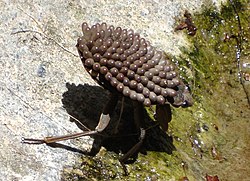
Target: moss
<point>221,107</point>
<point>210,137</point>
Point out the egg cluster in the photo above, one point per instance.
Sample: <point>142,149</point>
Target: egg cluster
<point>128,63</point>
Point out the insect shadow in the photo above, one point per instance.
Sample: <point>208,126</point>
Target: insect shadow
<point>85,103</point>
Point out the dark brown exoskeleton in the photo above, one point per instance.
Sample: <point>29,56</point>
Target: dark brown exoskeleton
<point>128,66</point>
<point>187,24</point>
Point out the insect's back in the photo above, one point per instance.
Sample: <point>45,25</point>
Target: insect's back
<point>121,60</point>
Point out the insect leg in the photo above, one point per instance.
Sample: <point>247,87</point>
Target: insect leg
<point>139,121</point>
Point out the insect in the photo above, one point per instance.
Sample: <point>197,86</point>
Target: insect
<point>128,66</point>
<point>187,24</point>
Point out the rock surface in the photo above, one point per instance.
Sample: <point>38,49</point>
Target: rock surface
<point>38,57</point>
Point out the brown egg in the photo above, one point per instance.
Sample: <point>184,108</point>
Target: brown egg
<point>120,87</point>
<point>115,56</point>
<point>133,67</point>
<point>116,44</point>
<point>123,57</point>
<point>142,51</point>
<point>114,71</point>
<point>132,50</point>
<point>103,49</point>
<point>86,30</point>
<point>83,47</point>
<point>150,54</point>
<point>137,56</point>
<point>96,67</point>
<point>133,95</point>
<point>85,27</point>
<point>162,74</point>
<point>107,55</point>
<point>157,56</point>
<point>140,98</point>
<point>176,81</point>
<point>111,50</point>
<point>102,34</point>
<point>151,63</point>
<point>171,67</point>
<point>146,92</point>
<point>90,44</point>
<point>111,63</point>
<point>86,54</point>
<point>127,52</point>
<point>139,87</point>
<point>93,30</point>
<point>126,47</point>
<point>120,50</point>
<point>150,85</point>
<point>149,75</point>
<point>161,99</point>
<point>171,92</point>
<point>169,75</point>
<point>117,32</point>
<point>144,80</point>
<point>133,84</point>
<point>103,26</point>
<point>120,77</point>
<point>89,62</point>
<point>126,81</point>
<point>174,74</point>
<point>108,42</point>
<point>108,76</point>
<point>103,61</point>
<point>140,71</point>
<point>124,35</point>
<point>147,102</point>
<point>156,79</point>
<point>98,42</point>
<point>170,83</point>
<point>126,63</point>
<point>126,91</point>
<point>146,67</point>
<point>152,97</point>
<point>124,70</point>
<point>103,70</point>
<point>167,68</point>
<point>130,74</point>
<point>114,82</point>
<point>137,78</point>
<point>108,33</point>
<point>143,42</point>
<point>131,58</point>
<point>154,71</point>
<point>95,36</point>
<point>97,57</point>
<point>164,92</point>
<point>111,27</point>
<point>164,83</point>
<point>139,62</point>
<point>144,60</point>
<point>157,89</point>
<point>159,67</point>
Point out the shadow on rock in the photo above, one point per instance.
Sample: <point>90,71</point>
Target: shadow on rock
<point>85,103</point>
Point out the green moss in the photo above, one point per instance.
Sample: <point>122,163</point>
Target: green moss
<point>220,99</point>
<point>218,121</point>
